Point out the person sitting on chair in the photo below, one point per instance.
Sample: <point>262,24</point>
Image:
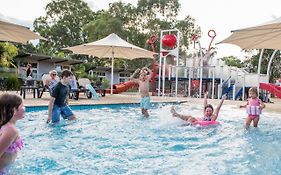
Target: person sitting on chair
<point>52,80</point>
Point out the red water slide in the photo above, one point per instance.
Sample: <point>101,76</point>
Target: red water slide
<point>272,88</point>
<point>122,87</point>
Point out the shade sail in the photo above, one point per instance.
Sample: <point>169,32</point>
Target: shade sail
<point>264,36</point>
<point>111,46</point>
<point>16,33</point>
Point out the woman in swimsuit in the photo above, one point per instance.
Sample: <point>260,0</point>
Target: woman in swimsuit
<point>11,110</point>
<point>209,113</point>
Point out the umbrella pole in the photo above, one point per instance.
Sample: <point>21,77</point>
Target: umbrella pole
<point>112,67</point>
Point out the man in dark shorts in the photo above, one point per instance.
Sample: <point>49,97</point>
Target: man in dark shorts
<point>58,104</point>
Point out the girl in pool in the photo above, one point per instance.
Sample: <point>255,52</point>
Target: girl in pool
<point>209,113</point>
<point>254,107</point>
<point>11,110</point>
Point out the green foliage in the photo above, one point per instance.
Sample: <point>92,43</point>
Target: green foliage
<point>71,22</point>
<point>12,83</point>
<point>7,53</point>
<point>233,61</point>
<point>104,25</point>
<point>63,24</point>
<point>275,71</point>
<point>105,83</point>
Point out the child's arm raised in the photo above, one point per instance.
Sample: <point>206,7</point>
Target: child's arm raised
<point>216,113</point>
<point>205,99</point>
<point>132,77</point>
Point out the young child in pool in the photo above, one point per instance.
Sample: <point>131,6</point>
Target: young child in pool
<point>209,113</point>
<point>254,107</point>
<point>11,110</point>
<point>143,82</point>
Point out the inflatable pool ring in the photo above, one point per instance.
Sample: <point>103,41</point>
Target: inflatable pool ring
<point>200,122</point>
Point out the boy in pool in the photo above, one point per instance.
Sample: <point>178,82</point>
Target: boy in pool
<point>209,113</point>
<point>58,104</point>
<point>254,107</point>
<point>143,82</point>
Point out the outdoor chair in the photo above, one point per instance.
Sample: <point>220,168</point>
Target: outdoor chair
<point>82,83</point>
<point>30,85</point>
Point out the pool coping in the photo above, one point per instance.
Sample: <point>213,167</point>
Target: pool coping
<point>94,106</point>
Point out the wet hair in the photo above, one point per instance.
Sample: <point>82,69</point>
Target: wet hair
<point>8,104</point>
<point>254,90</point>
<point>208,106</point>
<point>66,73</point>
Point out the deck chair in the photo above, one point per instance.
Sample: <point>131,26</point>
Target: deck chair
<point>84,86</point>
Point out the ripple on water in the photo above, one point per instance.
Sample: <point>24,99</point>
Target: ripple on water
<point>120,141</point>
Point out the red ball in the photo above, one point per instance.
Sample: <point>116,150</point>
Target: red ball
<point>169,41</point>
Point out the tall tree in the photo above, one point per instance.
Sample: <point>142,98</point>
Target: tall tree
<point>63,24</point>
<point>233,61</point>
<point>275,71</point>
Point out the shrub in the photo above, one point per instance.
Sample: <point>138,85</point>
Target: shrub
<point>12,83</point>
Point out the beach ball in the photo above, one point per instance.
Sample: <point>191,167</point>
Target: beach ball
<point>169,40</point>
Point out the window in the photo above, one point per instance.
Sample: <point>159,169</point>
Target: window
<point>123,77</point>
<point>100,75</point>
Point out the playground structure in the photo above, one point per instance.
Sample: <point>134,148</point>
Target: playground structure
<point>201,72</point>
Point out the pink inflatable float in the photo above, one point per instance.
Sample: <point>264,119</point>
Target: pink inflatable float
<point>200,122</point>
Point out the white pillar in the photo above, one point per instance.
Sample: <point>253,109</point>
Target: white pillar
<point>213,83</point>
<point>189,82</point>
<point>269,63</point>
<point>259,70</point>
<point>112,67</point>
<point>163,76</point>
<point>243,91</point>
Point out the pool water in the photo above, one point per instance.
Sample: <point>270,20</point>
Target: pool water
<point>118,140</point>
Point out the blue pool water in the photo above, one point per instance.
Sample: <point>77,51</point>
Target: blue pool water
<point>118,140</point>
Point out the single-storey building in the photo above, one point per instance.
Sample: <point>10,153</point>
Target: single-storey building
<point>42,64</point>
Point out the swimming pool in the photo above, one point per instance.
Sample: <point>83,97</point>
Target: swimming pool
<point>118,140</point>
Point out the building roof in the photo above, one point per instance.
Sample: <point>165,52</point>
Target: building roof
<point>50,59</point>
<point>106,69</point>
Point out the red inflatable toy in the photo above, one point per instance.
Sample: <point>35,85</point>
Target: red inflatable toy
<point>169,41</point>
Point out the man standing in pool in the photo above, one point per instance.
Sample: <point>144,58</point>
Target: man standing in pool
<point>143,82</point>
<point>209,113</point>
<point>58,104</point>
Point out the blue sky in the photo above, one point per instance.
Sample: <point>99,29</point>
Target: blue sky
<point>219,15</point>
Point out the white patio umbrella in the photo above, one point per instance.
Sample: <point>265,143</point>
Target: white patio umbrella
<point>112,47</point>
<point>16,33</point>
<point>264,36</point>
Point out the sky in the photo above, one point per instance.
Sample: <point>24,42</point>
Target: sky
<point>222,16</point>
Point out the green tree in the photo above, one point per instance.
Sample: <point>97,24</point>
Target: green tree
<point>275,71</point>
<point>63,24</point>
<point>7,53</point>
<point>233,61</point>
<point>137,24</point>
